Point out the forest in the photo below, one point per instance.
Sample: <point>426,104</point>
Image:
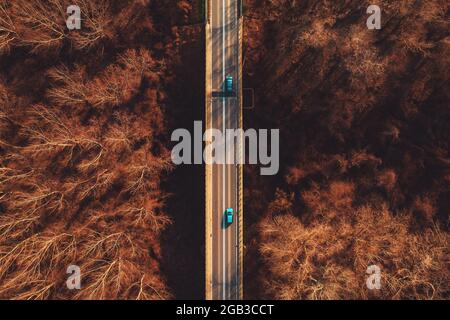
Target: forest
<point>83,147</point>
<point>85,171</point>
<point>364,165</point>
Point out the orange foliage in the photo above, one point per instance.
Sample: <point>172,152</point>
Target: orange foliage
<point>82,154</point>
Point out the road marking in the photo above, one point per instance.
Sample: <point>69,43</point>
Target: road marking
<point>212,165</point>
<point>231,112</point>
<point>238,114</point>
<point>223,167</point>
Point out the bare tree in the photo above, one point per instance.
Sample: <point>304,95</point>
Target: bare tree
<point>30,263</point>
<point>8,33</point>
<point>122,79</point>
<point>42,199</point>
<point>121,135</point>
<point>147,215</point>
<point>97,185</point>
<point>96,24</point>
<point>144,176</point>
<point>104,261</point>
<point>58,137</point>
<point>109,88</point>
<point>8,175</point>
<point>139,61</point>
<point>148,290</point>
<point>70,88</point>
<point>40,25</point>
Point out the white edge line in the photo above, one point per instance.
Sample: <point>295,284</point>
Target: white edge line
<point>224,167</point>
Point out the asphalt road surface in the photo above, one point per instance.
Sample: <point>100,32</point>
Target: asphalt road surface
<point>225,113</point>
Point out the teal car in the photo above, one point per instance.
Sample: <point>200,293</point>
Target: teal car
<point>229,215</point>
<point>229,84</point>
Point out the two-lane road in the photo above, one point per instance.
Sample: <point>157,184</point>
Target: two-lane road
<point>224,113</point>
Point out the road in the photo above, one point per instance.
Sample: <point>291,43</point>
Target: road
<point>224,113</point>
